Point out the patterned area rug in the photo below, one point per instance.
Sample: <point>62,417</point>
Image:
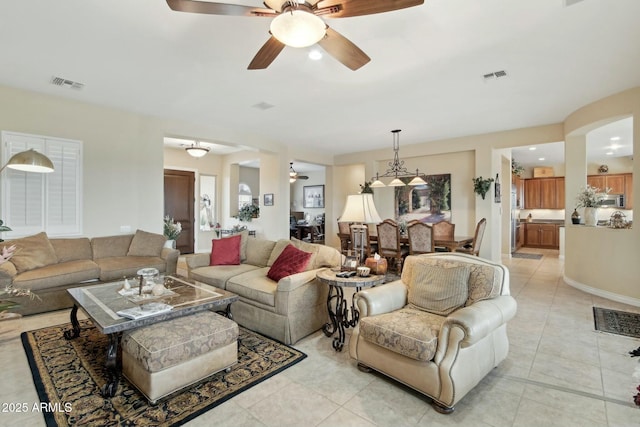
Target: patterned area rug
<point>617,322</point>
<point>526,256</point>
<point>69,375</point>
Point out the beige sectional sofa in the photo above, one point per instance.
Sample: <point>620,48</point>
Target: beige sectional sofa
<point>287,310</point>
<point>50,266</point>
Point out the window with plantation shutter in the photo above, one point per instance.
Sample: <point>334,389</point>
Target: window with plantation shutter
<point>34,202</point>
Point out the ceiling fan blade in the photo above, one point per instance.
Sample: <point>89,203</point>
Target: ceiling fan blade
<point>347,8</point>
<point>343,49</point>
<point>267,53</point>
<point>302,177</point>
<point>194,6</point>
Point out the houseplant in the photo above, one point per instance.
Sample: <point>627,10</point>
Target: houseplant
<point>481,185</point>
<point>588,199</point>
<point>248,212</point>
<point>172,230</point>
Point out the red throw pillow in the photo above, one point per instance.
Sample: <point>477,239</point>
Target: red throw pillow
<point>225,251</point>
<point>291,261</point>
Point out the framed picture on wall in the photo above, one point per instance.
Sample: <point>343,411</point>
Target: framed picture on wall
<point>268,199</point>
<point>313,196</point>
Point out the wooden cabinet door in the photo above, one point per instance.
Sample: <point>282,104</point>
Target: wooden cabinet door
<point>520,193</point>
<point>615,183</point>
<point>560,193</point>
<point>532,235</point>
<point>520,237</point>
<point>597,181</point>
<point>628,191</point>
<point>548,235</point>
<point>531,193</point>
<point>547,193</point>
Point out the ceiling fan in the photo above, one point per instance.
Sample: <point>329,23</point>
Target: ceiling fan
<point>299,24</point>
<point>293,175</point>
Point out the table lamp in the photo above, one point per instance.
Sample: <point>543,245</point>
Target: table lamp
<point>360,210</point>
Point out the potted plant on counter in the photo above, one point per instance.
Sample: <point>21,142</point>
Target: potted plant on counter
<point>588,198</point>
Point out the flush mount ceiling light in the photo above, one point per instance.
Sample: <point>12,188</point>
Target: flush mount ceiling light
<point>397,169</point>
<point>197,150</point>
<point>297,26</point>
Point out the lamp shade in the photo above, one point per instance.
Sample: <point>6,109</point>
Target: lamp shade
<point>30,161</point>
<point>298,28</point>
<point>197,150</point>
<point>360,208</point>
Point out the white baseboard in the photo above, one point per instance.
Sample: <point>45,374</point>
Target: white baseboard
<point>601,293</point>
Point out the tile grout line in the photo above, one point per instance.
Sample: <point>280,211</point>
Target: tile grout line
<point>567,390</point>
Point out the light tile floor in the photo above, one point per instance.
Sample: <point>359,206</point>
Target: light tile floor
<point>559,372</point>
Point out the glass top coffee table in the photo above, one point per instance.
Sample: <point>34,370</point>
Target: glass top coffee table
<point>101,302</point>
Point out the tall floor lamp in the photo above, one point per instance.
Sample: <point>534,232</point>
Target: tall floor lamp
<point>360,210</point>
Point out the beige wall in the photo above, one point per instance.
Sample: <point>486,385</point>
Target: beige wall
<point>600,260</point>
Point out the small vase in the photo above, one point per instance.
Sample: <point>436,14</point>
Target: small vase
<point>575,217</point>
<point>170,243</point>
<point>590,217</point>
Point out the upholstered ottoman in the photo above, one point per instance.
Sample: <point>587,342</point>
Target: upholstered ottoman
<point>165,357</point>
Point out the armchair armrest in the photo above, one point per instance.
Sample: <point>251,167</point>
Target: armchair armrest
<point>480,319</point>
<point>382,299</point>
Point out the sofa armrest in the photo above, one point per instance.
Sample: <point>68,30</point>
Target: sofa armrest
<point>382,299</point>
<point>480,319</point>
<point>294,281</point>
<point>197,260</point>
<point>170,256</point>
<point>7,273</point>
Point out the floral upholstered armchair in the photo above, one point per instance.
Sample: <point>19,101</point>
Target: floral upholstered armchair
<point>440,329</point>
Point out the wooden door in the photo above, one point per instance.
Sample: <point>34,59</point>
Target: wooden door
<point>531,193</point>
<point>532,235</point>
<point>548,235</point>
<point>178,204</point>
<point>597,181</point>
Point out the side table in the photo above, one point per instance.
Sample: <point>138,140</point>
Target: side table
<point>340,315</point>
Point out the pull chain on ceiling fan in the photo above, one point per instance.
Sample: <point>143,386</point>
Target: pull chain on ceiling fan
<point>299,24</point>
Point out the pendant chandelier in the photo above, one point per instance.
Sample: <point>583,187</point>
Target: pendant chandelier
<point>397,169</point>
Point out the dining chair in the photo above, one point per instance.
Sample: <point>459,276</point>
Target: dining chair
<point>389,245</point>
<point>344,234</point>
<point>443,230</point>
<point>474,247</point>
<point>420,238</point>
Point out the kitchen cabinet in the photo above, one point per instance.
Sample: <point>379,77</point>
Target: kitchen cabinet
<point>542,235</point>
<point>519,236</point>
<point>544,193</point>
<point>628,190</point>
<point>621,183</point>
<point>519,187</point>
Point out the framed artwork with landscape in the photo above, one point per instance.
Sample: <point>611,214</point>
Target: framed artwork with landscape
<point>313,196</point>
<point>429,203</point>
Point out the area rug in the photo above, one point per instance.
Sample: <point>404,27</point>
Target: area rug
<point>526,256</point>
<point>617,322</point>
<point>69,375</point>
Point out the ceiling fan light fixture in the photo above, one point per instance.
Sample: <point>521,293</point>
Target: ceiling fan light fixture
<point>196,150</point>
<point>298,28</point>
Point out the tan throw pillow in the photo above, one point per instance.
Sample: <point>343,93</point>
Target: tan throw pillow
<point>439,290</point>
<point>146,244</point>
<point>33,252</point>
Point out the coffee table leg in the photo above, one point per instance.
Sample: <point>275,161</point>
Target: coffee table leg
<point>332,301</point>
<point>110,388</point>
<point>75,331</point>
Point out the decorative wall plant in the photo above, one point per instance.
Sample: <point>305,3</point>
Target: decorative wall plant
<point>481,186</point>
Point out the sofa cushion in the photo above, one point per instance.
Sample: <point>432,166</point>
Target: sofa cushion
<point>146,244</point>
<point>115,268</point>
<point>218,275</point>
<point>277,250</point>
<point>258,251</point>
<point>244,237</point>
<point>255,286</point>
<point>33,252</point>
<point>111,246</point>
<point>55,275</point>
<point>438,290</point>
<point>410,332</point>
<point>291,261</point>
<point>72,249</point>
<point>225,251</point>
<point>485,281</point>
<point>307,247</point>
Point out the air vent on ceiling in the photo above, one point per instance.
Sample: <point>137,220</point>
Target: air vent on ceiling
<point>263,106</point>
<point>495,75</point>
<point>59,81</point>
